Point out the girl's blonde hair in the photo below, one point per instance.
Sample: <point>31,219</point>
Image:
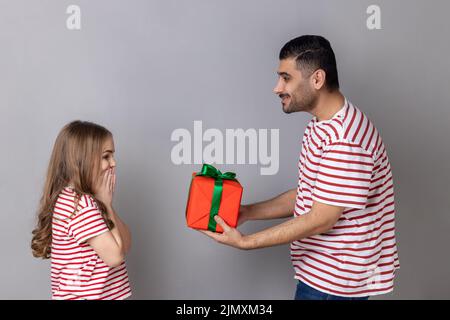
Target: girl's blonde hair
<point>76,159</point>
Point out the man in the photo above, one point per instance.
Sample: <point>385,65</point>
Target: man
<point>343,232</point>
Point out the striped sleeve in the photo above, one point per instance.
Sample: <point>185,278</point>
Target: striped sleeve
<point>87,223</point>
<point>344,176</point>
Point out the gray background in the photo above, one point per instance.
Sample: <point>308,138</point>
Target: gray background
<point>145,68</point>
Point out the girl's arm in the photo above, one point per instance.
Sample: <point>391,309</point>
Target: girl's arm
<point>108,247</point>
<point>111,246</point>
<point>120,231</point>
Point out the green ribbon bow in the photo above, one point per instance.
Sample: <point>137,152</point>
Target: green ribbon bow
<point>210,171</point>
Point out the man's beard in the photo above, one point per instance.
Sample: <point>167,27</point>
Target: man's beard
<point>306,102</point>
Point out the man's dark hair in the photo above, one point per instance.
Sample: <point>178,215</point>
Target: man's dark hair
<point>311,53</point>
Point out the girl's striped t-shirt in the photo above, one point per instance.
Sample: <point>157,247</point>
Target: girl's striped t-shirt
<point>343,162</point>
<point>77,272</point>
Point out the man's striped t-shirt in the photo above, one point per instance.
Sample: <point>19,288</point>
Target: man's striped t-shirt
<point>77,272</point>
<point>343,162</point>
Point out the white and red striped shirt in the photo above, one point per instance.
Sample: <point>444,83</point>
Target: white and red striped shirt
<point>77,272</point>
<point>344,163</point>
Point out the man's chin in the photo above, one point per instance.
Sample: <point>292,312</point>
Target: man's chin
<point>287,108</point>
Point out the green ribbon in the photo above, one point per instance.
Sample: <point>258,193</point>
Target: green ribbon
<point>210,171</point>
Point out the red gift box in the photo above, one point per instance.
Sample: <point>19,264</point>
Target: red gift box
<point>198,210</point>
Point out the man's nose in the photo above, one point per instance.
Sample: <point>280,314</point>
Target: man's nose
<point>278,88</point>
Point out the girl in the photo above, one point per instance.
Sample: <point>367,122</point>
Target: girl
<point>77,226</point>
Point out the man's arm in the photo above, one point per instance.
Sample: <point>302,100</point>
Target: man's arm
<point>319,219</point>
<point>281,206</point>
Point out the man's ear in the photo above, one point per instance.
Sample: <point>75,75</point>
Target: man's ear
<point>318,79</point>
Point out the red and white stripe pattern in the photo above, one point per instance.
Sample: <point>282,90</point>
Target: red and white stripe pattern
<point>77,272</point>
<point>344,162</point>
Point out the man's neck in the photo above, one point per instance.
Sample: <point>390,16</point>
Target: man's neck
<point>328,104</point>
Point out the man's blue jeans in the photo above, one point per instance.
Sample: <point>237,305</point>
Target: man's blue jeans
<point>305,292</point>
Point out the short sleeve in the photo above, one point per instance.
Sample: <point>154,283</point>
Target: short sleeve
<point>344,176</point>
<point>87,223</point>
